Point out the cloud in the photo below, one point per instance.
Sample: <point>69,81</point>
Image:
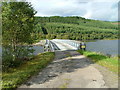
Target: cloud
<point>92,9</point>
<point>105,11</point>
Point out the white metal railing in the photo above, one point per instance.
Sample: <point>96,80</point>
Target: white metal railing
<point>48,46</point>
<point>51,46</point>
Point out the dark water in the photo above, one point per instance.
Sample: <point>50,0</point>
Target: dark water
<point>104,46</point>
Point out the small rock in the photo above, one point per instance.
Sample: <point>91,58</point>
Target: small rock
<point>94,80</point>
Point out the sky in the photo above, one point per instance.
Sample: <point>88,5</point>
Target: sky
<point>106,10</point>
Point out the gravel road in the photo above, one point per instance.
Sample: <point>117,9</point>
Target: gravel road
<point>69,69</point>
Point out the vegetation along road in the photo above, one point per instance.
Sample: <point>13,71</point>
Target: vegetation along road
<point>69,69</point>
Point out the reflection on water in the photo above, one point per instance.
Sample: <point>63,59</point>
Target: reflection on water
<point>104,46</point>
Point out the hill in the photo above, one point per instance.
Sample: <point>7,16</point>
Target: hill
<point>74,28</point>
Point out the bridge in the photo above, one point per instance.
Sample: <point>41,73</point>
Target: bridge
<point>61,44</point>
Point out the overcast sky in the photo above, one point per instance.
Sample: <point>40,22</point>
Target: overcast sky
<point>106,10</point>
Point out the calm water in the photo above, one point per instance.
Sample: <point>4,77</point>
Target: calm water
<point>38,49</point>
<point>104,46</point>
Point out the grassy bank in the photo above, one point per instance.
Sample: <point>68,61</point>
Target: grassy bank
<point>110,63</point>
<point>19,75</point>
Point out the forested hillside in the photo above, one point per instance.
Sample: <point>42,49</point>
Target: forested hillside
<point>74,28</point>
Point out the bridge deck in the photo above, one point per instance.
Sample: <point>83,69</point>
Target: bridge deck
<point>63,45</point>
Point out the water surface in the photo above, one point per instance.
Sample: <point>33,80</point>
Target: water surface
<point>38,49</point>
<point>103,46</point>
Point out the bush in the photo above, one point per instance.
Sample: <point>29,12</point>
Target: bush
<point>14,58</point>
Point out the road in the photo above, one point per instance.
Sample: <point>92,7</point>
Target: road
<point>69,69</point>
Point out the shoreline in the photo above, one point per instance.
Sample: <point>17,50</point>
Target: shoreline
<point>41,43</point>
<point>98,40</point>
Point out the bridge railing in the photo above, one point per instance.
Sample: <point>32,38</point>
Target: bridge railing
<point>48,46</point>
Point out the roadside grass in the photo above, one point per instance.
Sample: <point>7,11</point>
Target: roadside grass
<point>17,76</point>
<point>111,63</point>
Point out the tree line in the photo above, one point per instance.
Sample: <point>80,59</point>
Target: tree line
<point>74,28</point>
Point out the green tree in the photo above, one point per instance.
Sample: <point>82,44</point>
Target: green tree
<point>17,27</point>
<point>18,22</point>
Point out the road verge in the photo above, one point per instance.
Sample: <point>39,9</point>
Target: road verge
<point>18,76</point>
<point>111,63</point>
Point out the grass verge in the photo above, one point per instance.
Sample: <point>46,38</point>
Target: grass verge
<point>110,63</point>
<point>19,75</point>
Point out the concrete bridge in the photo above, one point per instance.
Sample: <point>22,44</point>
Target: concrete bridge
<point>62,44</point>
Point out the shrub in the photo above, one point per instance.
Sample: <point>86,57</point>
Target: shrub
<point>14,58</point>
